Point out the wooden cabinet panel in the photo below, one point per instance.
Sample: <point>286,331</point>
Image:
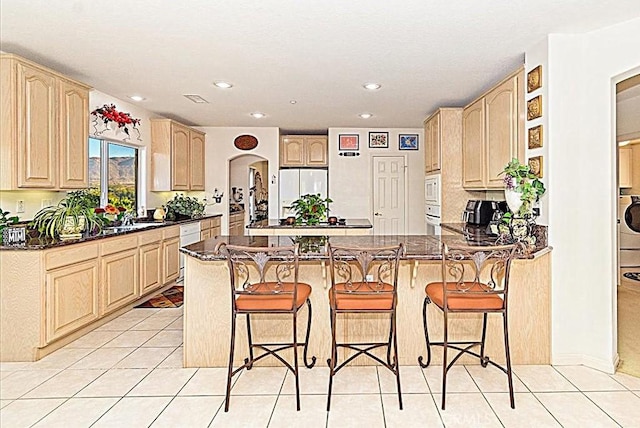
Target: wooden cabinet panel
<point>625,167</point>
<point>37,128</point>
<point>71,298</point>
<point>119,280</point>
<point>216,231</point>
<point>292,151</point>
<point>473,145</point>
<point>180,161</point>
<point>435,143</point>
<point>196,156</point>
<point>501,130</point>
<point>316,151</point>
<point>205,234</point>
<point>170,260</point>
<point>150,267</point>
<point>74,134</point>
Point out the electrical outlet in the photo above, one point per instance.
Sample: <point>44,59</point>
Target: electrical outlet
<point>46,203</point>
<point>20,206</point>
<point>369,278</point>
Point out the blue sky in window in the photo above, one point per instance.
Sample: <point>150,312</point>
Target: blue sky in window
<point>115,150</point>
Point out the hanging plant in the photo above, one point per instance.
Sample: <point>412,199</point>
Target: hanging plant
<point>108,114</point>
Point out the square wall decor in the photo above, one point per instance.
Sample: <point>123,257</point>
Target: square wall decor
<point>534,108</point>
<point>378,140</point>
<point>408,141</point>
<point>535,137</point>
<point>535,166</point>
<point>348,142</point>
<point>534,79</point>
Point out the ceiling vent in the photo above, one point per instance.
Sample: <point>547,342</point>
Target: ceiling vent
<point>196,99</point>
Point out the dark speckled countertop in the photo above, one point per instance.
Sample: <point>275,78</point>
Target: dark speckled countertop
<point>350,223</point>
<point>416,247</point>
<point>46,243</point>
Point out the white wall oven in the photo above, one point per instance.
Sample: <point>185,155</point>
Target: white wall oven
<point>432,204</point>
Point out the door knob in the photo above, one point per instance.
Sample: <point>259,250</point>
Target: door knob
<point>377,214</point>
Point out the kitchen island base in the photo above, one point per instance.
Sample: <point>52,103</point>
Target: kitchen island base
<point>207,316</point>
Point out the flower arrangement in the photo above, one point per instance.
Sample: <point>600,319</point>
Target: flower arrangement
<point>109,114</point>
<point>111,214</point>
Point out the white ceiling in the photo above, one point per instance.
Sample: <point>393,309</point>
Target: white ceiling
<point>425,53</point>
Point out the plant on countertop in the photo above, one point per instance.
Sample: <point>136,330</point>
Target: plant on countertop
<point>72,216</point>
<point>182,205</point>
<point>6,221</point>
<point>311,209</point>
<point>111,214</point>
<point>108,114</point>
<point>519,178</point>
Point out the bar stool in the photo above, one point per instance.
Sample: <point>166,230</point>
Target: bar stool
<point>477,281</point>
<point>264,280</point>
<point>364,281</point>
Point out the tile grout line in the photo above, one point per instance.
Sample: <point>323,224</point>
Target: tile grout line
<point>483,394</point>
<point>384,417</point>
<point>174,396</point>
<point>278,395</point>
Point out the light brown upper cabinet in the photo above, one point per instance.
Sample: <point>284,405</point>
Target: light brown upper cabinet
<point>44,132</point>
<point>493,133</point>
<point>303,150</point>
<point>177,156</point>
<point>432,154</point>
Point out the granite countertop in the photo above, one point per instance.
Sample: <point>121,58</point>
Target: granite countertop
<point>416,247</point>
<point>474,233</point>
<point>350,223</point>
<point>39,243</point>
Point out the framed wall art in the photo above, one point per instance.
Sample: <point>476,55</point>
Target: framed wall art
<point>348,142</point>
<point>534,108</point>
<point>378,140</point>
<point>408,141</point>
<point>534,79</point>
<point>535,137</point>
<point>535,166</point>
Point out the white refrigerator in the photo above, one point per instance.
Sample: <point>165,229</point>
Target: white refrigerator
<point>297,182</point>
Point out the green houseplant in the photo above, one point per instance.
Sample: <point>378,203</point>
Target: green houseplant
<point>311,209</point>
<point>70,218</point>
<point>185,207</point>
<point>522,188</point>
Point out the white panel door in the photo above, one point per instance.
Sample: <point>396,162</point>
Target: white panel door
<point>388,195</point>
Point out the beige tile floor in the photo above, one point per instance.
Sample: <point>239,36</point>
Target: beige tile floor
<point>128,373</point>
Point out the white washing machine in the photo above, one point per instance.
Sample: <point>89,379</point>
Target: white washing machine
<point>629,238</point>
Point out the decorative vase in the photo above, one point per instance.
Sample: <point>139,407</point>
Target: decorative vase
<point>73,228</point>
<point>513,200</point>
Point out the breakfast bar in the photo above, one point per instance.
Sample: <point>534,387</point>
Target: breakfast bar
<point>207,313</point>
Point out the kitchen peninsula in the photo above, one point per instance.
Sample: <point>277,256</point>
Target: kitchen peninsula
<point>207,313</point>
<point>356,226</point>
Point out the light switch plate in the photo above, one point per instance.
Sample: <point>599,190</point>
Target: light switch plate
<point>20,206</point>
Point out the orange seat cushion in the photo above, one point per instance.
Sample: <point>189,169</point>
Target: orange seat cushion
<point>359,301</point>
<point>457,301</point>
<point>273,302</point>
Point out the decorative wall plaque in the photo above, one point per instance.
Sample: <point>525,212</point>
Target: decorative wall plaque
<point>14,235</point>
<point>245,142</point>
<point>534,79</point>
<point>535,166</point>
<point>535,137</point>
<point>534,108</point>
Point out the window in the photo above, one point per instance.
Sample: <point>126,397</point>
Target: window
<point>113,173</point>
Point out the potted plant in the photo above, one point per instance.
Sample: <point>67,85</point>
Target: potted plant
<point>522,188</point>
<point>70,218</point>
<point>311,209</point>
<point>184,207</point>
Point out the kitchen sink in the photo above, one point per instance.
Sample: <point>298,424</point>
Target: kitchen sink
<point>125,228</point>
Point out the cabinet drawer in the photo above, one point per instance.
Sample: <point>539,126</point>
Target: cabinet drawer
<point>145,238</point>
<point>76,253</point>
<point>205,224</point>
<point>216,221</point>
<point>114,245</point>
<point>170,232</point>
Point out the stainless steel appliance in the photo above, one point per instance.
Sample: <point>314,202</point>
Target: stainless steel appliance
<point>480,212</point>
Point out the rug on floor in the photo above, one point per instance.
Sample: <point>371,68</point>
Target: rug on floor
<point>171,298</point>
<point>632,275</point>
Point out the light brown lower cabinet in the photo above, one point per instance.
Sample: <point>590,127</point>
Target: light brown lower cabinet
<point>150,267</point>
<point>119,280</point>
<point>71,298</point>
<point>171,259</point>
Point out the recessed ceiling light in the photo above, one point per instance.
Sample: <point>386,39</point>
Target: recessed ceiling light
<point>292,102</point>
<point>372,86</point>
<point>365,115</point>
<point>137,98</point>
<point>196,99</point>
<point>258,115</point>
<point>222,84</point>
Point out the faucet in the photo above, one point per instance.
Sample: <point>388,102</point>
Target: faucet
<point>127,219</point>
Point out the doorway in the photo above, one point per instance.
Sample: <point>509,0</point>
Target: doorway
<point>628,249</point>
<point>388,195</point>
<point>248,194</point>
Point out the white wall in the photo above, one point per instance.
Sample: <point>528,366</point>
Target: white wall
<point>580,144</point>
<point>350,177</point>
<point>219,150</point>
